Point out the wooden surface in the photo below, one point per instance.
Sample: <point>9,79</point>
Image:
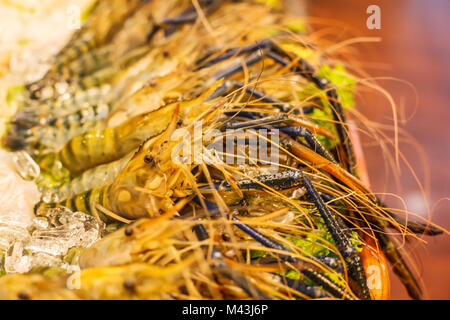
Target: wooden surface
<point>415,47</point>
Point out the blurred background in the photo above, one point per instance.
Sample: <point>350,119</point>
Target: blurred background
<point>414,48</point>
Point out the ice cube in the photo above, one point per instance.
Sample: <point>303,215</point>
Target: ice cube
<point>47,240</point>
<point>25,165</point>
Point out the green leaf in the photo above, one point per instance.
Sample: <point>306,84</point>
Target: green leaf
<point>317,115</point>
<point>23,41</point>
<point>296,26</point>
<point>254,254</point>
<point>19,6</point>
<point>293,274</point>
<point>50,180</point>
<point>13,92</point>
<point>49,272</point>
<point>2,263</point>
<point>295,48</point>
<point>72,255</point>
<point>275,4</point>
<point>344,82</point>
<point>88,10</point>
<point>310,245</point>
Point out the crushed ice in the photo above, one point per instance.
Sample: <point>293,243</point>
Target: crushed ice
<point>46,241</point>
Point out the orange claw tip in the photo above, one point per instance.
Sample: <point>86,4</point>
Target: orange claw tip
<point>376,269</point>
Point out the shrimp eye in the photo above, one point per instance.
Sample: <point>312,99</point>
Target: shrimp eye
<point>128,232</point>
<point>129,285</point>
<point>226,237</point>
<point>148,159</point>
<point>22,295</point>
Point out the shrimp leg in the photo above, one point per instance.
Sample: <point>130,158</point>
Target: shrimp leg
<point>348,251</point>
<point>304,69</point>
<point>220,266</point>
<point>394,257</point>
<point>190,14</point>
<point>284,181</point>
<point>307,71</point>
<point>399,265</point>
<point>278,118</point>
<point>313,142</point>
<point>228,85</point>
<point>279,181</point>
<point>292,131</point>
<point>306,269</point>
<point>313,292</point>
